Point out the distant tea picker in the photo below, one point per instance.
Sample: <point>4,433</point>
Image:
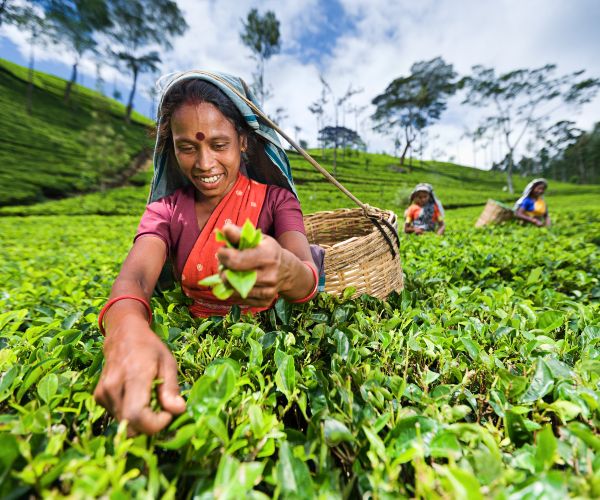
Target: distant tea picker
<point>530,208</point>
<point>425,212</point>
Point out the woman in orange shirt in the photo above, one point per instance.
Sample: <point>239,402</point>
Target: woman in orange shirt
<point>425,212</point>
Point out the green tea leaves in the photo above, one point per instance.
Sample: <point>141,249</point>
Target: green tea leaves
<point>241,281</point>
<point>47,387</point>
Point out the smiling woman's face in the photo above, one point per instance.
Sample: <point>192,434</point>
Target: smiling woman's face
<point>538,189</point>
<point>207,147</point>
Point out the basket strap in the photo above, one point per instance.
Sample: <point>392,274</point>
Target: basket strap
<point>296,146</point>
<point>365,208</point>
<point>376,222</point>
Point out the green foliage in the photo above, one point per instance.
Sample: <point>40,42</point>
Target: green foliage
<point>136,27</point>
<point>261,36</point>
<point>578,160</point>
<point>517,101</point>
<point>42,153</point>
<point>412,103</point>
<point>373,178</point>
<point>479,380</point>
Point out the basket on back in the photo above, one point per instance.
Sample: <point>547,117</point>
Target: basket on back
<point>493,213</point>
<point>357,254</point>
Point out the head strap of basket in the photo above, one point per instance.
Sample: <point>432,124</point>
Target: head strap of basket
<point>528,189</point>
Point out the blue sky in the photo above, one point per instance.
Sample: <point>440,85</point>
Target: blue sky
<point>367,44</point>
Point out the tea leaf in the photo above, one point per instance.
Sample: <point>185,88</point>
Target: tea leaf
<point>241,281</point>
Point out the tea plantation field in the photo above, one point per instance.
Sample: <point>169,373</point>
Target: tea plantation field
<point>45,153</point>
<point>479,380</point>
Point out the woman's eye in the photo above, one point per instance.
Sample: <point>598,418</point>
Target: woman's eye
<point>219,147</point>
<point>185,149</point>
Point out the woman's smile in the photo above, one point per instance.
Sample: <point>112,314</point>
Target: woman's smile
<point>208,181</point>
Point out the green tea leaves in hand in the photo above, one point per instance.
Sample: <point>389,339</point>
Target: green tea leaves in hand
<point>239,281</point>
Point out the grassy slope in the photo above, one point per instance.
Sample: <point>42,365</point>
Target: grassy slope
<point>378,185</point>
<point>41,154</point>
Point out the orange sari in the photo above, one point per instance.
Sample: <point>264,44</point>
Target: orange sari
<point>244,201</point>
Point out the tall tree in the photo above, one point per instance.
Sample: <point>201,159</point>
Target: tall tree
<point>39,33</point>
<point>336,136</point>
<point>566,162</point>
<point>522,100</point>
<point>261,35</point>
<point>139,28</point>
<point>412,103</point>
<point>76,23</point>
<point>317,108</point>
<point>337,105</point>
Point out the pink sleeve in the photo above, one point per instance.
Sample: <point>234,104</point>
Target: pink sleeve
<point>156,221</point>
<point>281,213</point>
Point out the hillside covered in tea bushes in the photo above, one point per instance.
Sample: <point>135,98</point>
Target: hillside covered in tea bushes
<point>61,148</point>
<point>57,151</point>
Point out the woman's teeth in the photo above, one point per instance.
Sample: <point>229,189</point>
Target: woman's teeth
<point>209,180</point>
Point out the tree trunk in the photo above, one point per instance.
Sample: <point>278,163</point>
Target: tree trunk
<point>261,69</point>
<point>509,171</point>
<point>71,82</point>
<point>581,165</point>
<point>335,146</point>
<point>403,155</point>
<point>131,94</point>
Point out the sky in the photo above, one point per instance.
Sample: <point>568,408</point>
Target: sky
<point>364,45</point>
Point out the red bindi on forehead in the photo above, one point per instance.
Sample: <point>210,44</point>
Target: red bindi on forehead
<point>200,136</point>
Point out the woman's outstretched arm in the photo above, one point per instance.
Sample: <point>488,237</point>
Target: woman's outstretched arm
<point>520,214</point>
<point>134,356</point>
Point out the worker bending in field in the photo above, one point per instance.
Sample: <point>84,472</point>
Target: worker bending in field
<point>531,206</point>
<point>216,166</point>
<point>425,212</point>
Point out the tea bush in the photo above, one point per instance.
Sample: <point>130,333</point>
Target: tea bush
<point>480,379</point>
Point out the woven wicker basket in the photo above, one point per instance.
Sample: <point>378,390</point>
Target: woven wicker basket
<point>356,252</point>
<point>493,213</point>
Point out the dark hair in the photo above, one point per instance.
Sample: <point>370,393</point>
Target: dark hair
<point>196,91</point>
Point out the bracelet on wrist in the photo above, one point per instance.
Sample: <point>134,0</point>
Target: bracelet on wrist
<point>313,291</point>
<point>113,301</point>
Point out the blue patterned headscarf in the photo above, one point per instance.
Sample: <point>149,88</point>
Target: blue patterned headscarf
<point>268,164</point>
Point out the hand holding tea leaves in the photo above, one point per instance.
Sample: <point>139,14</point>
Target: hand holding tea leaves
<point>240,281</point>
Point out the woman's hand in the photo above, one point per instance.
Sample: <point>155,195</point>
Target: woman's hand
<point>134,358</point>
<point>279,269</point>
<point>408,228</point>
